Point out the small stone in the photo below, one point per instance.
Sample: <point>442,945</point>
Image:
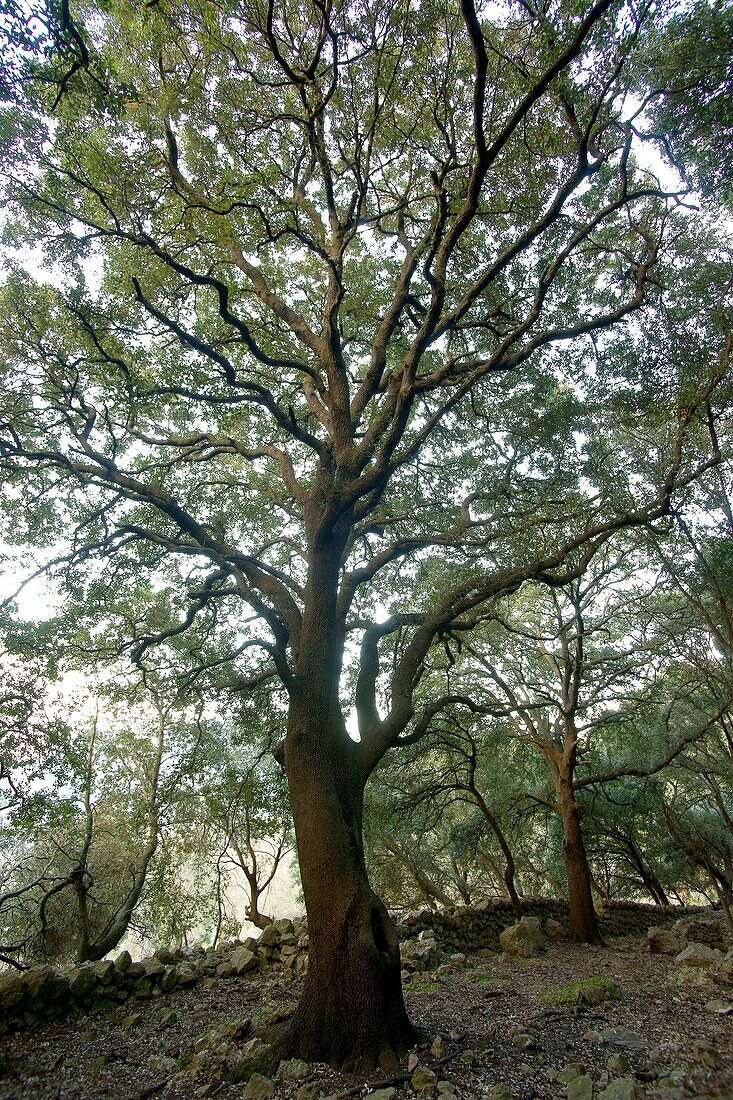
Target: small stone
<point>663,941</point>
<point>153,968</point>
<point>185,975</point>
<point>243,960</point>
<point>383,1094</point>
<point>523,1041</point>
<point>468,1056</point>
<point>623,1088</point>
<point>623,1037</point>
<point>446,1090</point>
<point>705,1054</point>
<point>722,971</point>
<point>692,976</point>
<point>423,1079</point>
<point>40,982</point>
<point>309,1091</point>
<point>554,930</point>
<point>412,1062</point>
<point>12,989</point>
<point>224,970</point>
<point>160,1064</point>
<point>253,1048</point>
<point>524,939</point>
<point>699,954</point>
<point>580,1088</point>
<point>258,1088</point>
<point>236,1029</point>
<point>438,1048</point>
<point>123,961</point>
<point>270,937</point>
<point>168,979</point>
<point>82,980</point>
<point>618,1065</point>
<point>568,1073</point>
<point>293,1069</point>
<point>168,1017</point>
<point>104,970</point>
<point>721,1008</point>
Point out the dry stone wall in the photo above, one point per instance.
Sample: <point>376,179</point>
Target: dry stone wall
<point>430,938</point>
<point>469,928</point>
<point>46,993</point>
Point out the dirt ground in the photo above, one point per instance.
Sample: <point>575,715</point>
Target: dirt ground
<point>501,1031</point>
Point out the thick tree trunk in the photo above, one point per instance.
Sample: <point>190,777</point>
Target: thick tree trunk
<point>351,1012</point>
<point>582,921</point>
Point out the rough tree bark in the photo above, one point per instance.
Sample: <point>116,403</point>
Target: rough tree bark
<point>351,1012</point>
<point>582,920</point>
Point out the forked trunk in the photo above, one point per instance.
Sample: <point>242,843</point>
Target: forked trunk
<point>582,920</point>
<point>646,874</point>
<point>351,1012</point>
<point>259,920</point>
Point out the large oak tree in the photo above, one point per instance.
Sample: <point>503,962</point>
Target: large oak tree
<point>330,358</point>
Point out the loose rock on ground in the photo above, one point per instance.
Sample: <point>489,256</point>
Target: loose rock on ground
<point>497,1027</point>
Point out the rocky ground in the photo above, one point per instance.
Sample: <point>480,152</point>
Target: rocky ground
<point>498,1027</point>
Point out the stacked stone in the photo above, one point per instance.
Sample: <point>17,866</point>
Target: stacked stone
<point>624,918</point>
<point>420,954</point>
<point>706,932</point>
<point>470,928</point>
<point>46,993</point>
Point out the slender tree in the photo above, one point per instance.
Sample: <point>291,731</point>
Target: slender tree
<point>570,671</point>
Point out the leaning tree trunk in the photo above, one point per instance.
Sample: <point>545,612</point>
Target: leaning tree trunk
<point>351,1012</point>
<point>646,874</point>
<point>509,865</point>
<point>582,920</point>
